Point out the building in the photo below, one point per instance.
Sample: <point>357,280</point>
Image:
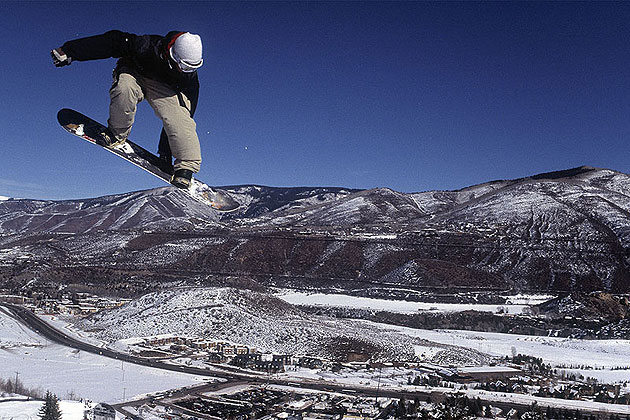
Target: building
<point>310,362</point>
<point>268,365</point>
<point>102,411</point>
<point>284,359</point>
<point>16,299</point>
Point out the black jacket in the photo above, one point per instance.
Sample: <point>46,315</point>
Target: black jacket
<point>144,54</point>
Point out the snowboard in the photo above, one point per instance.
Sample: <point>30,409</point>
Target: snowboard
<point>86,128</point>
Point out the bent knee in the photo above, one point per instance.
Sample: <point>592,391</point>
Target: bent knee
<point>127,89</point>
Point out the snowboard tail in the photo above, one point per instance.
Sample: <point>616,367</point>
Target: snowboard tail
<point>86,128</point>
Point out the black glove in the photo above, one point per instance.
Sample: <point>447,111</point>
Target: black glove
<point>60,58</point>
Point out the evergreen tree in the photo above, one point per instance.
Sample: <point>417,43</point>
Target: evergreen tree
<point>534,413</point>
<point>401,410</point>
<point>476,407</point>
<point>413,408</point>
<point>549,413</point>
<point>50,410</point>
<point>424,414</point>
<point>453,408</point>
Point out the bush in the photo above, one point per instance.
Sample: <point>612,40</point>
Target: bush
<point>16,386</point>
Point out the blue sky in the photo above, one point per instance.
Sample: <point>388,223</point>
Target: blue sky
<point>413,96</point>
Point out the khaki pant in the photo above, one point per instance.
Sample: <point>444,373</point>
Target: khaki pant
<point>171,107</point>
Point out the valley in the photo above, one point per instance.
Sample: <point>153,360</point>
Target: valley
<point>510,292</point>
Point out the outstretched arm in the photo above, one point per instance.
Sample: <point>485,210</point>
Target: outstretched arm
<point>110,44</point>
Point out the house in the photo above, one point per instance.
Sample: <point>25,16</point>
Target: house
<point>310,362</point>
<point>101,411</point>
<point>215,357</point>
<point>75,308</point>
<point>268,365</point>
<point>201,345</point>
<point>246,360</point>
<point>17,299</point>
<point>242,350</point>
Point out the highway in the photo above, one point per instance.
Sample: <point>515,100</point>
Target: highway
<point>53,334</point>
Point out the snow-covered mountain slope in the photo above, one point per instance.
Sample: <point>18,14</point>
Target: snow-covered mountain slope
<point>593,199</point>
<point>161,208</point>
<point>374,206</point>
<point>259,200</point>
<point>253,319</point>
<point>564,230</point>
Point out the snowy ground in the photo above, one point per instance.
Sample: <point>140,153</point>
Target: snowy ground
<point>372,377</point>
<point>604,355</point>
<point>65,371</point>
<point>42,364</point>
<point>27,410</point>
<point>516,306</point>
<point>63,323</point>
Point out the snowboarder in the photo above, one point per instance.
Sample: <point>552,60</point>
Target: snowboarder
<point>160,69</point>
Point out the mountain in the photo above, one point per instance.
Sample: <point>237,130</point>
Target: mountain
<point>588,306</point>
<point>162,209</point>
<point>558,231</point>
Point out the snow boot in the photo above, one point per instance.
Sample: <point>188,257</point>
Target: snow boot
<point>109,139</point>
<point>182,178</point>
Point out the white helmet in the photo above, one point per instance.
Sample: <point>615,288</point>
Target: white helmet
<point>186,50</point>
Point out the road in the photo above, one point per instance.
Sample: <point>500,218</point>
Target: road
<point>230,378</point>
<point>53,334</point>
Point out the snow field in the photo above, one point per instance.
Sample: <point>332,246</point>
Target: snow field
<point>14,334</point>
<point>64,323</point>
<point>605,355</point>
<point>393,377</point>
<point>28,410</point>
<point>68,372</point>
<point>354,302</point>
